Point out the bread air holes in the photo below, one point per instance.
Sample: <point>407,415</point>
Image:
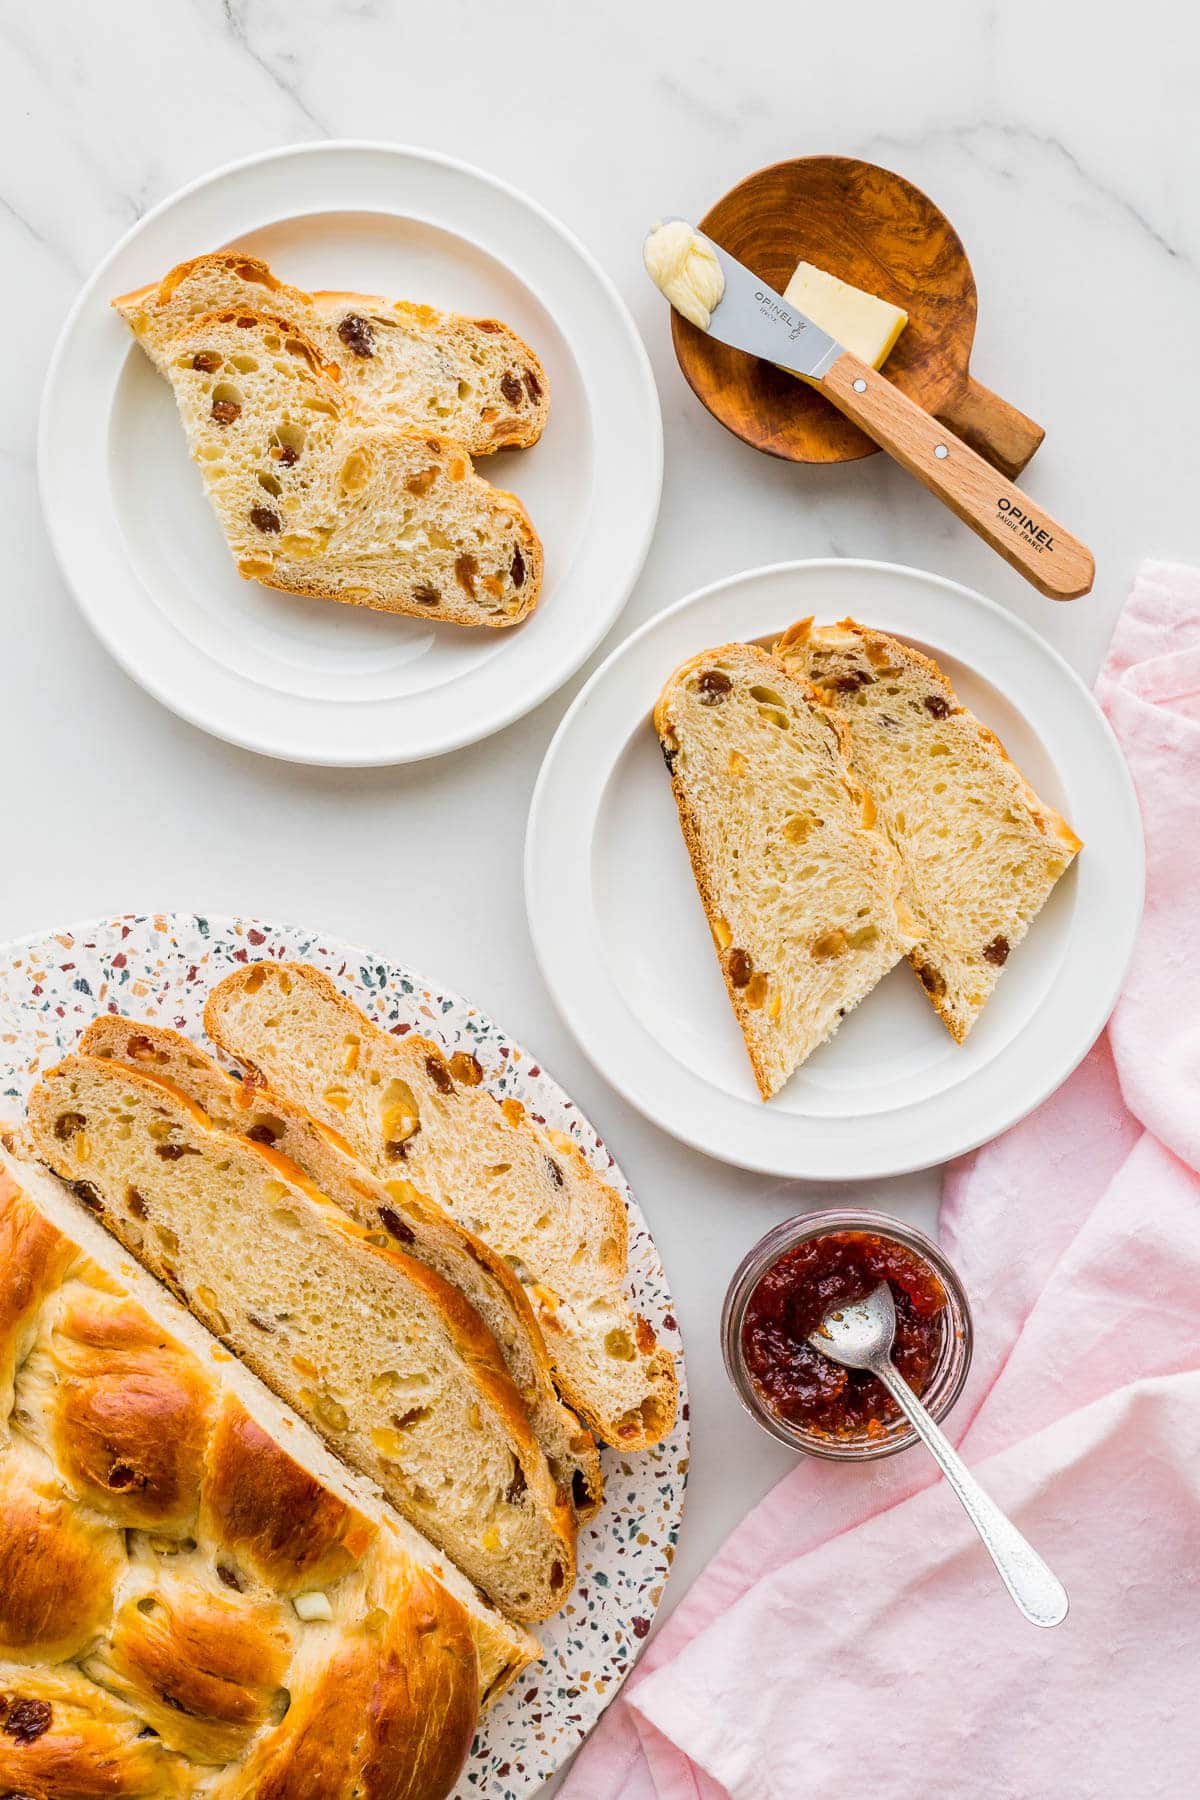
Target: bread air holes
<point>772,706</point>
<point>518,1486</point>
<point>394,1386</point>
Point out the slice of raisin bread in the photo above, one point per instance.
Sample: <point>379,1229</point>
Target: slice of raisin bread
<point>381,1356</point>
<point>802,891</point>
<point>473,380</point>
<point>314,499</point>
<point>404,1108</point>
<point>426,1231</point>
<point>981,853</point>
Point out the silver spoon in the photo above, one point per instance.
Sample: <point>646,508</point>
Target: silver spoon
<point>860,1337</point>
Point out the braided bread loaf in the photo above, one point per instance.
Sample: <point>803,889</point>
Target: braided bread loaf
<point>187,1606</point>
<point>382,1357</point>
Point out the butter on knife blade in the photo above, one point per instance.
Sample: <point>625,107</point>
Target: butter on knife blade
<point>682,265</point>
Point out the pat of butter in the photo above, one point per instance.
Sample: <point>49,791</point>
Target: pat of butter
<point>682,265</point>
<point>860,322</point>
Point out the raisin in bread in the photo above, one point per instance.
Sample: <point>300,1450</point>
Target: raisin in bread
<point>417,368</point>
<point>381,1356</point>
<point>314,498</point>
<point>424,1230</point>
<point>528,1191</point>
<point>981,853</point>
<point>802,891</point>
<point>196,1598</point>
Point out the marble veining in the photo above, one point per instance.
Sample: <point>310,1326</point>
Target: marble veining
<point>1063,145</point>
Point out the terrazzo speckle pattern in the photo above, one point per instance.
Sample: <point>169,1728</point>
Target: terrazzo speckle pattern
<point>160,967</point>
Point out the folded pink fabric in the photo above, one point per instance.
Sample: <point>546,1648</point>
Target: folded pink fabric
<point>851,1636</point>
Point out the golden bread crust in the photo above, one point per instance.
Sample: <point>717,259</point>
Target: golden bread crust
<point>87,1089</point>
<point>148,1641</point>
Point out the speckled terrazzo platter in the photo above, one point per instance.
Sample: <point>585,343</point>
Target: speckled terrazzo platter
<point>160,967</point>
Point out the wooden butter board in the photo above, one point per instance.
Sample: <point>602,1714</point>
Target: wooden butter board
<point>877,231</point>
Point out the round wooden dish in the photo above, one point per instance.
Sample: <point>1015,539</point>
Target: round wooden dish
<point>873,229</point>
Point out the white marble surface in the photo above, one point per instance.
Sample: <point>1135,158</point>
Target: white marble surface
<point>1061,141</point>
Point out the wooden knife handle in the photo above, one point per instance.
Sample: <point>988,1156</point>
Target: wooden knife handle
<point>1015,526</point>
<point>1003,435</point>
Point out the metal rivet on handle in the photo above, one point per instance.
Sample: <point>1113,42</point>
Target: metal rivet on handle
<point>860,386</point>
<point>941,452</point>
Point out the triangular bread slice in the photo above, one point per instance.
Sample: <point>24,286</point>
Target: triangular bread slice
<point>384,1359</point>
<point>315,499</point>
<point>981,852</point>
<point>419,369</point>
<point>405,1108</point>
<point>413,1223</point>
<point>802,891</point>
<point>277,1510</point>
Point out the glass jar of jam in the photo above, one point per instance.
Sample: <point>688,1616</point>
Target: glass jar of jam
<point>787,1284</point>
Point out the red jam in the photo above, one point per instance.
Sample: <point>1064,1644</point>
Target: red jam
<point>800,1385</point>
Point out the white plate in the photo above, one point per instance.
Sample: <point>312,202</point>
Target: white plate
<point>161,967</point>
<point>304,679</point>
<point>624,946</point>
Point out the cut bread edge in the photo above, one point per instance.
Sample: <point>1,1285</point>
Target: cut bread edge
<point>471,1340</point>
<point>657,1410</point>
<point>849,631</point>
<point>661,719</point>
<point>320,1153</point>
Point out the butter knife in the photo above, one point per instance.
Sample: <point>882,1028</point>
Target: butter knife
<point>750,316</point>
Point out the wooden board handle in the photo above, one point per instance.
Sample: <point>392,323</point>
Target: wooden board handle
<point>1015,526</point>
<point>1000,433</point>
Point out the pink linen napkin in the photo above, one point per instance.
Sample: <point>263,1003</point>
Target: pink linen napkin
<point>851,1636</point>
